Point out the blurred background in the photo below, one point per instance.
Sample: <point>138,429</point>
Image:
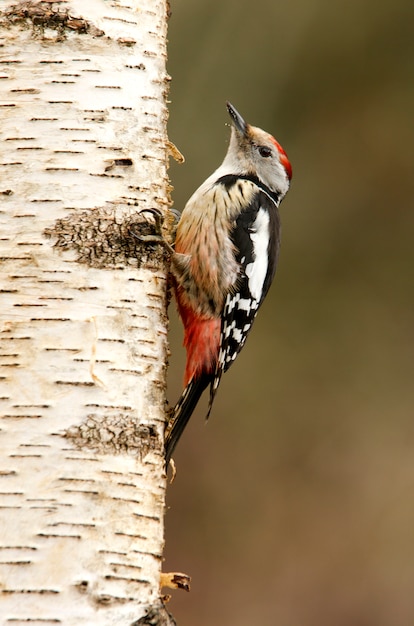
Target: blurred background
<point>294,505</point>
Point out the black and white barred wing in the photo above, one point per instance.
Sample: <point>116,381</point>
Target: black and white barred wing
<point>256,239</point>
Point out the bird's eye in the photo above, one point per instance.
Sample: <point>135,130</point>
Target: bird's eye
<point>265,152</point>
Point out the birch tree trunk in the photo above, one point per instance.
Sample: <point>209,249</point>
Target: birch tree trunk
<point>83,311</point>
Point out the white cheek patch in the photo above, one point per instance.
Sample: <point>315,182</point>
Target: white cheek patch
<point>256,271</point>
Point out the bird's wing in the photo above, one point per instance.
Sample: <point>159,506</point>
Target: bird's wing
<point>255,236</point>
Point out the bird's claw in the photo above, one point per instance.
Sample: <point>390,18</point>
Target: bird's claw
<point>157,237</point>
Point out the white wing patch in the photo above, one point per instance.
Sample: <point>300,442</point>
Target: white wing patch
<point>257,270</point>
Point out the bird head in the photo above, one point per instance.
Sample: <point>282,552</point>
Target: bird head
<point>252,151</point>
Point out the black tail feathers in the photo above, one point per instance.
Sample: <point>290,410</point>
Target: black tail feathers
<point>182,413</point>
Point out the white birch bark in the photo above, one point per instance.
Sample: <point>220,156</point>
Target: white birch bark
<point>83,311</point>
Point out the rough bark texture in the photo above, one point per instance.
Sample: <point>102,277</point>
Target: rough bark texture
<point>83,311</point>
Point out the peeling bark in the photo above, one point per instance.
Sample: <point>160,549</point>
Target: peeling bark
<point>83,342</point>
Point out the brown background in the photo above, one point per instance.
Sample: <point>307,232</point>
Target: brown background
<point>294,506</point>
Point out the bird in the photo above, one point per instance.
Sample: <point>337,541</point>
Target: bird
<point>224,260</point>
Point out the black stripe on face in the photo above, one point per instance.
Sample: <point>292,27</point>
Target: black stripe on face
<point>229,180</point>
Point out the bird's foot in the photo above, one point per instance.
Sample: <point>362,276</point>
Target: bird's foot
<point>156,237</point>
<point>172,465</point>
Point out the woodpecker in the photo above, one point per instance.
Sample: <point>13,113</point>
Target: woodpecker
<point>225,256</point>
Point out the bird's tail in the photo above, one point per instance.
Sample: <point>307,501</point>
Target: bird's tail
<point>182,413</point>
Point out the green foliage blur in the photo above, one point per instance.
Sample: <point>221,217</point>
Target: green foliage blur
<point>294,505</point>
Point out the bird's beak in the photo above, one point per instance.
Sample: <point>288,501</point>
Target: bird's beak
<point>237,119</point>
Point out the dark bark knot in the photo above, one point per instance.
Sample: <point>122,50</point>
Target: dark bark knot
<point>44,15</point>
<point>103,239</point>
<point>156,616</point>
<point>115,435</point>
